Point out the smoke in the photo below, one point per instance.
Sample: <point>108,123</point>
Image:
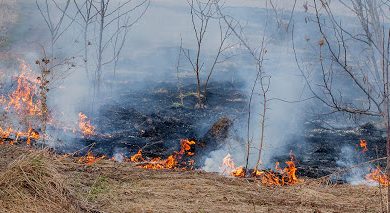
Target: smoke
<point>149,56</point>
<point>348,159</point>
<point>285,112</point>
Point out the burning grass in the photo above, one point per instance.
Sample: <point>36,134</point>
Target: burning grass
<point>179,159</point>
<point>378,176</point>
<point>57,184</point>
<point>277,177</point>
<point>85,125</point>
<point>21,109</point>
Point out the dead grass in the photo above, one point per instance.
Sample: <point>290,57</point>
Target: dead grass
<point>32,182</point>
<point>38,181</point>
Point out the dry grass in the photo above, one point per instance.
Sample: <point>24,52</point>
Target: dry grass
<point>32,182</point>
<point>37,181</point>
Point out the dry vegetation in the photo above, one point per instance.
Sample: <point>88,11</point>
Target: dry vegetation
<point>39,181</point>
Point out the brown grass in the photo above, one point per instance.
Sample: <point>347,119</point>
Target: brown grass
<point>37,181</point>
<point>32,182</point>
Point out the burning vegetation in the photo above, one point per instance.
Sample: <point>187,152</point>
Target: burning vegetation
<point>90,159</point>
<point>277,177</point>
<point>21,109</point>
<point>179,159</point>
<point>363,145</point>
<point>378,176</point>
<point>85,125</point>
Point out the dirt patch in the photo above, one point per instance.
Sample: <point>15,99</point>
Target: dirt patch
<point>108,186</point>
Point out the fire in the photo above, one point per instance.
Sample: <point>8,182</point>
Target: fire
<point>24,99</point>
<point>9,134</point>
<point>363,145</point>
<point>85,125</point>
<point>378,176</point>
<point>137,157</point>
<point>90,159</point>
<point>171,162</point>
<point>239,172</point>
<point>32,134</point>
<point>24,103</point>
<point>230,167</point>
<point>278,177</point>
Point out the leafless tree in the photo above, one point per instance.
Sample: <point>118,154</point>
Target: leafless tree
<point>257,52</point>
<point>52,72</point>
<point>54,15</point>
<point>202,13</point>
<point>88,15</point>
<point>359,56</point>
<point>279,13</point>
<point>114,23</point>
<point>178,67</point>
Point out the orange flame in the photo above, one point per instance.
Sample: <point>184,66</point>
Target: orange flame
<point>90,159</point>
<point>171,162</point>
<point>85,125</point>
<point>24,102</point>
<point>378,176</point>
<point>9,134</point>
<point>137,157</point>
<point>279,177</point>
<point>363,144</point>
<point>24,99</point>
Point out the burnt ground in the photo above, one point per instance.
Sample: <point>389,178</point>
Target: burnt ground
<point>153,120</point>
<point>325,151</point>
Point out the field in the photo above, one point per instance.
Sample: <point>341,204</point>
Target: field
<point>39,181</point>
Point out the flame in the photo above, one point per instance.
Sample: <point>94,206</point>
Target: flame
<point>90,159</point>
<point>9,133</point>
<point>24,99</point>
<point>85,125</point>
<point>23,102</point>
<point>171,162</point>
<point>377,175</point>
<point>137,157</point>
<point>278,177</point>
<point>230,167</point>
<point>363,144</point>
<point>239,172</point>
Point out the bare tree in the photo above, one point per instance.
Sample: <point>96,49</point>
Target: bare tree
<point>52,73</point>
<point>257,53</point>
<point>179,82</point>
<point>114,23</point>
<point>88,15</point>
<point>358,56</point>
<point>49,10</point>
<point>202,13</point>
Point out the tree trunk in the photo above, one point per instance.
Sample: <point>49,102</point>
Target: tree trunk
<point>388,161</point>
<point>262,131</point>
<point>100,51</point>
<point>86,44</point>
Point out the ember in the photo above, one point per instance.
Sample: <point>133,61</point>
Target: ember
<point>171,162</point>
